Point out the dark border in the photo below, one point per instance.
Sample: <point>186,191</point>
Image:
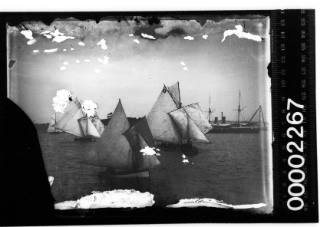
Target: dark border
<point>292,27</point>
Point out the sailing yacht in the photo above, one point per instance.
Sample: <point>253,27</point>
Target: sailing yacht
<point>54,118</point>
<point>119,146</point>
<point>75,122</point>
<point>172,123</point>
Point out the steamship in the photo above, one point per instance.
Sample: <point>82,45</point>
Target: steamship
<point>237,126</point>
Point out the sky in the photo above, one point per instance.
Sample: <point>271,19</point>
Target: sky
<point>132,59</point>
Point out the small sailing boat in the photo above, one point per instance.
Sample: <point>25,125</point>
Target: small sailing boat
<point>89,129</point>
<point>69,120</point>
<point>91,125</point>
<point>120,144</point>
<point>75,122</point>
<point>54,118</point>
<point>59,104</point>
<point>172,123</point>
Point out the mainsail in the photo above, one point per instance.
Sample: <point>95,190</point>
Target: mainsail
<point>88,128</point>
<point>98,124</point>
<point>119,146</point>
<point>198,116</point>
<point>161,125</point>
<point>187,127</point>
<point>171,122</point>
<point>69,120</point>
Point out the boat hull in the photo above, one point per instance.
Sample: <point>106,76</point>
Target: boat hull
<point>221,129</point>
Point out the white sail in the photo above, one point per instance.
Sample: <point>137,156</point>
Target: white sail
<point>188,129</point>
<point>83,124</point>
<point>98,125</point>
<point>88,128</point>
<point>161,125</point>
<point>195,133</point>
<point>198,116</point>
<point>91,130</point>
<point>69,120</point>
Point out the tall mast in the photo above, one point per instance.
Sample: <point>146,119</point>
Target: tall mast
<point>209,110</point>
<point>239,108</point>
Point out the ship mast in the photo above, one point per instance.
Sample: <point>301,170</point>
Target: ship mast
<point>239,109</point>
<point>209,110</point>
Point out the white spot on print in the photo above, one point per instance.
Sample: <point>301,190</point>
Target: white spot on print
<point>205,36</point>
<point>146,36</point>
<point>189,37</point>
<point>102,44</point>
<point>110,199</point>
<point>238,31</point>
<point>50,50</point>
<point>209,202</point>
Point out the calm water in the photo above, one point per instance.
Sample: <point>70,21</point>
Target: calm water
<point>231,169</point>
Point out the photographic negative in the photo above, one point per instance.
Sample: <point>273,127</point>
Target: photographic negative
<point>150,112</point>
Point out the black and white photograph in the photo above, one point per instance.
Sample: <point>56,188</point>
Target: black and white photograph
<point>135,112</point>
<point>158,117</point>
